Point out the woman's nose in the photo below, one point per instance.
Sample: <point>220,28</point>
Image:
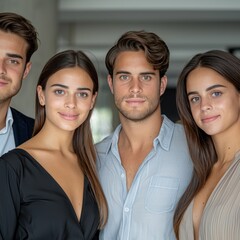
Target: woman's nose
<point>70,102</point>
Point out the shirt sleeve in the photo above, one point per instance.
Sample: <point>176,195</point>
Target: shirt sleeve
<point>9,199</point>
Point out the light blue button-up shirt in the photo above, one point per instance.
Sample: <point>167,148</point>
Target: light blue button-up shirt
<point>7,141</point>
<point>145,212</point>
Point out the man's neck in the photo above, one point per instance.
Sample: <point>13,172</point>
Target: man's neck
<point>140,133</point>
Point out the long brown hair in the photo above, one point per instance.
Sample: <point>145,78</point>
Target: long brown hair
<point>200,144</point>
<point>82,139</point>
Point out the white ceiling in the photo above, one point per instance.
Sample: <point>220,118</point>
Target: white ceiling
<point>188,27</point>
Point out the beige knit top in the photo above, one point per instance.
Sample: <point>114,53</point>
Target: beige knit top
<point>221,216</point>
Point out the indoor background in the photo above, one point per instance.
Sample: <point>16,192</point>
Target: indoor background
<point>188,27</point>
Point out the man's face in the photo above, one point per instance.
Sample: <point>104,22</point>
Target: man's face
<point>13,67</point>
<point>136,86</point>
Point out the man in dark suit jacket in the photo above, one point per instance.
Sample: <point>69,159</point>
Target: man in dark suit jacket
<point>18,41</point>
<point>22,127</point>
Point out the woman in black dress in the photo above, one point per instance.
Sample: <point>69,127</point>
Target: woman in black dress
<point>49,186</point>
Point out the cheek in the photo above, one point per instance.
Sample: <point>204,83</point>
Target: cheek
<point>51,102</point>
<point>17,81</point>
<point>120,89</point>
<point>17,85</point>
<point>87,106</point>
<point>17,74</point>
<point>195,113</point>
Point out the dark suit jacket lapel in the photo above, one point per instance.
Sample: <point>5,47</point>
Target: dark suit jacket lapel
<point>22,127</point>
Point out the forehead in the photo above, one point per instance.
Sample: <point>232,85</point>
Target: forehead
<point>72,77</point>
<point>132,60</point>
<point>11,43</point>
<point>204,77</point>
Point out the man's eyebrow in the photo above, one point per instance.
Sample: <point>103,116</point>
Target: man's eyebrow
<point>142,73</point>
<point>122,72</point>
<point>14,55</point>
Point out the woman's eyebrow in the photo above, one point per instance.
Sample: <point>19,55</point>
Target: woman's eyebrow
<point>66,87</point>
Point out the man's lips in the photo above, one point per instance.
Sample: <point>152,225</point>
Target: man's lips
<point>3,82</point>
<point>135,100</point>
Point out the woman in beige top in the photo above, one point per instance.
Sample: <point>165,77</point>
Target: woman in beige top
<point>208,100</point>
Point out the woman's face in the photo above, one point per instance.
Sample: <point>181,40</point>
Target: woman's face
<point>68,98</point>
<point>214,101</point>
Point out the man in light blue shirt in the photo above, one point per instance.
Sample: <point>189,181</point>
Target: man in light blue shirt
<point>144,166</point>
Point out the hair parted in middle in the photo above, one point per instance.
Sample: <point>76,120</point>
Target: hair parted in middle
<point>82,140</point>
<point>201,147</point>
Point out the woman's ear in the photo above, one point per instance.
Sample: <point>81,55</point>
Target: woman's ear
<point>41,97</point>
<point>93,100</point>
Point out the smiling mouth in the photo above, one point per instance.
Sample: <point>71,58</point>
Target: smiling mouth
<point>209,119</point>
<point>68,116</point>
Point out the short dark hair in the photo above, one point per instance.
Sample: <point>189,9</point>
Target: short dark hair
<point>14,23</point>
<point>155,49</point>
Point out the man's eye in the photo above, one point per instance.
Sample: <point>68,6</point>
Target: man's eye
<point>13,61</point>
<point>82,94</point>
<point>146,77</point>
<point>124,77</point>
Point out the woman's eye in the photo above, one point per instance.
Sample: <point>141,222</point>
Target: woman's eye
<point>59,92</point>
<point>216,94</point>
<point>194,99</point>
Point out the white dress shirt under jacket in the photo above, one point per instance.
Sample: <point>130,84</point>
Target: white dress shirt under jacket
<point>7,141</point>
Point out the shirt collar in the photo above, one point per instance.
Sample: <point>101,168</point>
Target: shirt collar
<point>164,137</point>
<point>9,122</point>
<point>114,137</point>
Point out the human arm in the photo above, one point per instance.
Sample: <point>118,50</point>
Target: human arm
<point>9,199</point>
<point>96,236</point>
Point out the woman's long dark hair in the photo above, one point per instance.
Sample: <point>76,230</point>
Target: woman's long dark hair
<point>82,140</point>
<point>200,144</point>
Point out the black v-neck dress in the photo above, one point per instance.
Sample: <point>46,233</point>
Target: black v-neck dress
<point>34,206</point>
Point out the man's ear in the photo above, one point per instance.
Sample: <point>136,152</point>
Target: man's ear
<point>110,83</point>
<point>27,69</point>
<point>163,85</point>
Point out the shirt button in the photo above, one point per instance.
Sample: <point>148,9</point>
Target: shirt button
<point>126,209</point>
<point>122,175</point>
